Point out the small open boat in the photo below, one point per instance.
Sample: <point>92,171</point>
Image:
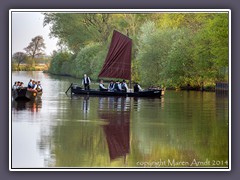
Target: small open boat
<point>25,94</point>
<point>117,65</point>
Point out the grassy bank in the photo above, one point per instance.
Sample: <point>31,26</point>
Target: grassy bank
<point>25,67</point>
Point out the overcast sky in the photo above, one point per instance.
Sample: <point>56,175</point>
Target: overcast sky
<point>27,25</point>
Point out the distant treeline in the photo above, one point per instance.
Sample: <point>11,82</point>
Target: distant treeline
<point>169,49</point>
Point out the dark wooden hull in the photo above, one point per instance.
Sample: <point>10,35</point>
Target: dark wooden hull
<point>25,95</point>
<point>149,93</point>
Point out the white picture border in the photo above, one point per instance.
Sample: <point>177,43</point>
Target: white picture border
<point>116,11</point>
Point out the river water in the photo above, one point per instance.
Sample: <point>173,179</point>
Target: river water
<point>181,129</point>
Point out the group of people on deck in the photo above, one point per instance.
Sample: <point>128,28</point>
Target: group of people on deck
<point>34,85</point>
<point>112,87</point>
<point>17,85</point>
<point>118,86</point>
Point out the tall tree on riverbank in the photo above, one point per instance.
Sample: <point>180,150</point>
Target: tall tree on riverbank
<point>19,57</point>
<point>35,48</point>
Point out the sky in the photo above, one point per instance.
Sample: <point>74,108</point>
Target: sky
<point>27,25</point>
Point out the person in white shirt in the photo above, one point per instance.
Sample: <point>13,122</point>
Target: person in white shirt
<point>15,85</point>
<point>101,86</point>
<point>21,85</point>
<point>86,82</point>
<point>34,86</point>
<point>119,86</point>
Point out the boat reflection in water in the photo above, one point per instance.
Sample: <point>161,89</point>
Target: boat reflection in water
<point>33,105</point>
<point>115,111</point>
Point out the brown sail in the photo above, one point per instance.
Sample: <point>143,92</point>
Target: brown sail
<point>118,61</point>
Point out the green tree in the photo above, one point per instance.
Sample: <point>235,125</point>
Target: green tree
<point>76,30</point>
<point>179,67</point>
<point>60,62</point>
<point>89,60</point>
<point>211,49</point>
<point>19,57</point>
<point>219,36</point>
<point>153,50</point>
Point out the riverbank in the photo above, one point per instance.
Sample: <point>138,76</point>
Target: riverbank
<point>25,67</point>
<point>208,87</point>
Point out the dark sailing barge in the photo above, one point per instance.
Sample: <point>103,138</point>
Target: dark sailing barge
<point>117,65</point>
<point>147,93</point>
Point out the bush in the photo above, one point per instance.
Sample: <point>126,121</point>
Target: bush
<point>60,63</point>
<point>89,60</point>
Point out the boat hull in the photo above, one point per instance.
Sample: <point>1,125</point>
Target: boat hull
<point>25,95</point>
<point>148,93</point>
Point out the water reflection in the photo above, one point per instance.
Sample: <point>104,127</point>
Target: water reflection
<point>138,101</point>
<point>82,131</point>
<point>33,105</point>
<point>115,111</point>
<point>86,106</point>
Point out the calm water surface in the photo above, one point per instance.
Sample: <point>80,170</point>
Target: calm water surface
<point>187,129</point>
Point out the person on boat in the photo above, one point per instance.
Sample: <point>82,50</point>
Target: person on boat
<point>34,87</point>
<point>30,84</point>
<point>117,87</point>
<point>137,87</point>
<point>86,82</point>
<point>39,86</point>
<point>101,86</point>
<point>111,86</point>
<point>15,85</point>
<point>124,86</point>
<point>21,85</point>
<point>18,84</point>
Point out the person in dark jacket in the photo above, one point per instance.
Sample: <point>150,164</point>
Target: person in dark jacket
<point>102,87</point>
<point>124,86</point>
<point>30,83</point>
<point>111,86</point>
<point>137,87</point>
<point>86,82</point>
<point>117,87</point>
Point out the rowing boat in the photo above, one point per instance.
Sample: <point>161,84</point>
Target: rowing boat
<point>25,94</point>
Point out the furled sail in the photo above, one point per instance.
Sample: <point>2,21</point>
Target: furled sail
<point>118,61</point>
